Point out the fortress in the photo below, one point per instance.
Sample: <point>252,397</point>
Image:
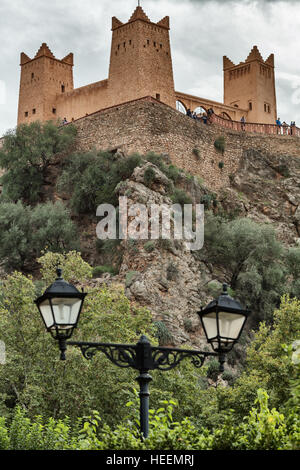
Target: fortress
<point>141,66</point>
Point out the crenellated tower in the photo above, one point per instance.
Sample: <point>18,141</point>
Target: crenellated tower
<point>43,78</point>
<point>140,60</point>
<point>140,66</point>
<point>250,85</point>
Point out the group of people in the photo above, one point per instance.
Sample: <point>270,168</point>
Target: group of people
<point>204,117</point>
<point>284,128</point>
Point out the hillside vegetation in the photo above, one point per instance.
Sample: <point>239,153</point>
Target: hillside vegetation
<point>48,204</point>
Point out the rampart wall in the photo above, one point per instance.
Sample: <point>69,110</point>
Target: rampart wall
<point>147,125</point>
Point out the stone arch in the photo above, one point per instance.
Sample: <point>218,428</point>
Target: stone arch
<point>225,116</point>
<point>180,106</point>
<point>200,110</point>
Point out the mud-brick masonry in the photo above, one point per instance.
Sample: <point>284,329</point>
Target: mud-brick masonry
<point>147,125</point>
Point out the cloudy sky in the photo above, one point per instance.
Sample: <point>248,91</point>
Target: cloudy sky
<point>202,31</point>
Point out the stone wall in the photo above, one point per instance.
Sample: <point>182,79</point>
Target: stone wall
<point>147,125</point>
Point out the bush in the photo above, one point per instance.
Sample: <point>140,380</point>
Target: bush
<point>98,270</point>
<point>149,176</point>
<point>130,277</point>
<point>180,197</point>
<point>172,272</point>
<point>253,258</point>
<point>188,325</point>
<point>213,369</point>
<point>162,333</point>
<point>209,200</point>
<point>262,429</point>
<point>55,388</point>
<point>197,153</point>
<point>149,246</point>
<point>220,144</point>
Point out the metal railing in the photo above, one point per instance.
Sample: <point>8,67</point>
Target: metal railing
<point>256,128</point>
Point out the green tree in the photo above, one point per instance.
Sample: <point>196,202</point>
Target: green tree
<point>75,269</point>
<point>26,155</point>
<point>253,258</point>
<point>91,179</point>
<point>36,379</point>
<point>268,365</point>
<point>26,231</point>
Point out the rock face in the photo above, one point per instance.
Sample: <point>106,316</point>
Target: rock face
<point>266,187</point>
<point>164,276</point>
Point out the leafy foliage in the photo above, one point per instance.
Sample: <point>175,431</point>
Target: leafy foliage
<point>163,334</point>
<point>26,231</point>
<point>33,375</point>
<point>91,179</point>
<point>262,429</point>
<point>98,270</point>
<point>220,144</point>
<point>268,365</point>
<point>253,259</point>
<point>75,269</point>
<point>26,155</point>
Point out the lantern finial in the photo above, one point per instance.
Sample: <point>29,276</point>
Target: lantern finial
<point>225,287</point>
<point>59,273</point>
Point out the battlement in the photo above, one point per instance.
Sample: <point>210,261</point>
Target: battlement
<point>139,14</point>
<point>254,55</point>
<point>44,51</point>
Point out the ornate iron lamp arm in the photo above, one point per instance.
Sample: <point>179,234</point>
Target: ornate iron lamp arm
<point>122,355</point>
<point>142,357</point>
<point>168,358</point>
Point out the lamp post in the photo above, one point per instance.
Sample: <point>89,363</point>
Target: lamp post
<point>222,320</point>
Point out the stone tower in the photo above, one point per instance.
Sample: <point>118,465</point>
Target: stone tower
<point>140,60</point>
<point>43,78</point>
<point>250,85</point>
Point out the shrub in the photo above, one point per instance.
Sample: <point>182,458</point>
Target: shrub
<point>162,333</point>
<point>220,144</point>
<point>283,169</point>
<point>213,369</point>
<point>92,179</point>
<point>209,200</point>
<point>188,325</point>
<point>149,246</point>
<point>174,173</point>
<point>221,165</point>
<point>197,153</point>
<point>172,272</point>
<point>130,277</point>
<point>149,176</point>
<point>181,197</point>
<point>262,429</point>
<point>98,270</point>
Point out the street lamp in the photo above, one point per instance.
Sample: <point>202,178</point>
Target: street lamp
<point>223,321</point>
<point>60,308</point>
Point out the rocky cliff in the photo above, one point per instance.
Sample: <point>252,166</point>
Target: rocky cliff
<point>165,276</point>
